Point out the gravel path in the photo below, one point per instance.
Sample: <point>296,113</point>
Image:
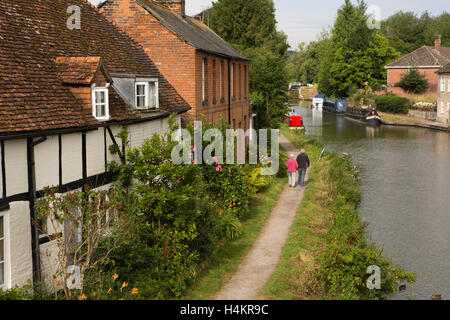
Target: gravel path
<point>263,258</point>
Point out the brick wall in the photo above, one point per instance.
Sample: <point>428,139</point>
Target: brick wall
<point>173,57</point>
<point>394,76</point>
<point>181,64</point>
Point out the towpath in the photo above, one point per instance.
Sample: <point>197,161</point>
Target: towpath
<point>262,259</point>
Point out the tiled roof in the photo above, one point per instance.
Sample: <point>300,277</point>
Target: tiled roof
<point>425,56</point>
<point>77,70</point>
<point>191,30</point>
<point>33,38</point>
<point>445,69</point>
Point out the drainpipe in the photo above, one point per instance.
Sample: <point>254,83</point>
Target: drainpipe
<point>32,197</point>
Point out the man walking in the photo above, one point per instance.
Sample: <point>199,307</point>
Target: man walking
<point>303,165</point>
<point>292,167</point>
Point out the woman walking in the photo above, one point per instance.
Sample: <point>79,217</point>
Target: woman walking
<point>292,167</point>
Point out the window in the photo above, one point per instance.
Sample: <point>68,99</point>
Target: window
<point>142,95</point>
<point>2,252</point>
<point>448,106</point>
<point>221,80</point>
<point>448,83</point>
<point>147,96</point>
<point>100,104</point>
<point>214,82</point>
<point>245,81</point>
<point>240,81</point>
<point>232,80</point>
<point>442,106</point>
<point>204,80</point>
<point>442,84</point>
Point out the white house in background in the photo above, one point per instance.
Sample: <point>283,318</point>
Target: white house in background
<point>64,94</point>
<point>443,103</point>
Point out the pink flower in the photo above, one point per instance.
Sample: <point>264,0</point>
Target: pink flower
<point>215,159</point>
<point>219,168</point>
<point>193,148</point>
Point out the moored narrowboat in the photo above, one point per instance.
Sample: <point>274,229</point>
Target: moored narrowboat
<point>318,101</point>
<point>293,120</point>
<point>365,114</point>
<point>341,105</point>
<point>338,106</point>
<point>329,105</point>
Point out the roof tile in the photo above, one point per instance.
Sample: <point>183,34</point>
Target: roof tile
<point>34,39</point>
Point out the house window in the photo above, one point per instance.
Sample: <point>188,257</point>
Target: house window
<point>448,83</point>
<point>240,82</point>
<point>147,96</point>
<point>2,252</point>
<point>232,80</point>
<point>221,80</point>
<point>245,81</point>
<point>442,84</point>
<point>214,81</point>
<point>448,106</point>
<point>204,80</point>
<point>142,95</point>
<point>442,106</point>
<point>100,104</point>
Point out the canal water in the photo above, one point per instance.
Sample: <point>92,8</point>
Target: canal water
<point>405,178</point>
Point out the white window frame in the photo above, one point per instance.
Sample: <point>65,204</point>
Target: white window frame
<point>442,83</point>
<point>146,94</point>
<point>94,104</point>
<point>204,79</point>
<point>448,106</point>
<point>442,106</point>
<point>448,83</point>
<point>156,82</point>
<point>6,271</point>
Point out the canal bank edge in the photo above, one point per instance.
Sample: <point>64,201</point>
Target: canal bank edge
<point>328,251</point>
<point>417,125</point>
<point>408,121</point>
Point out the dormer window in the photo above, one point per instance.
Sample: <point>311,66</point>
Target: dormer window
<point>147,96</point>
<point>100,104</point>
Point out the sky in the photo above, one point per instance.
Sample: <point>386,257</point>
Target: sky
<point>304,20</point>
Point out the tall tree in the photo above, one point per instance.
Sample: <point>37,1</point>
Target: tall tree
<point>250,26</point>
<point>357,54</point>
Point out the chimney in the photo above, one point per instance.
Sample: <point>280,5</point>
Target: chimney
<point>437,44</point>
<point>177,6</point>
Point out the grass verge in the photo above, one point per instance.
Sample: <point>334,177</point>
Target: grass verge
<point>327,253</point>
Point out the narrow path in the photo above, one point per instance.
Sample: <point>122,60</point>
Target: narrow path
<point>263,258</point>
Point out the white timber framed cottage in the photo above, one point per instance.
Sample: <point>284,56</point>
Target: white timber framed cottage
<point>64,95</point>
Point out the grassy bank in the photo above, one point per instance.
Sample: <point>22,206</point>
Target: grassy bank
<point>225,262</point>
<point>327,253</point>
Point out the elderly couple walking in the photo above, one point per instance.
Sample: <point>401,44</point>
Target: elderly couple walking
<point>301,164</point>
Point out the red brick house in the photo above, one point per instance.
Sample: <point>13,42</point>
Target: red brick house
<point>427,60</point>
<point>64,95</point>
<point>207,72</point>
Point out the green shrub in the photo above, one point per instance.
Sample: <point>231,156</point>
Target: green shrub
<point>413,82</point>
<point>392,104</point>
<point>255,181</point>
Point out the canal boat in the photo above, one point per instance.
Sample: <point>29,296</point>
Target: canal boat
<point>365,114</point>
<point>318,101</point>
<point>293,120</point>
<point>338,106</point>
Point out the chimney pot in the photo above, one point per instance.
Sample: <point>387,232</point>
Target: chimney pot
<point>437,44</point>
